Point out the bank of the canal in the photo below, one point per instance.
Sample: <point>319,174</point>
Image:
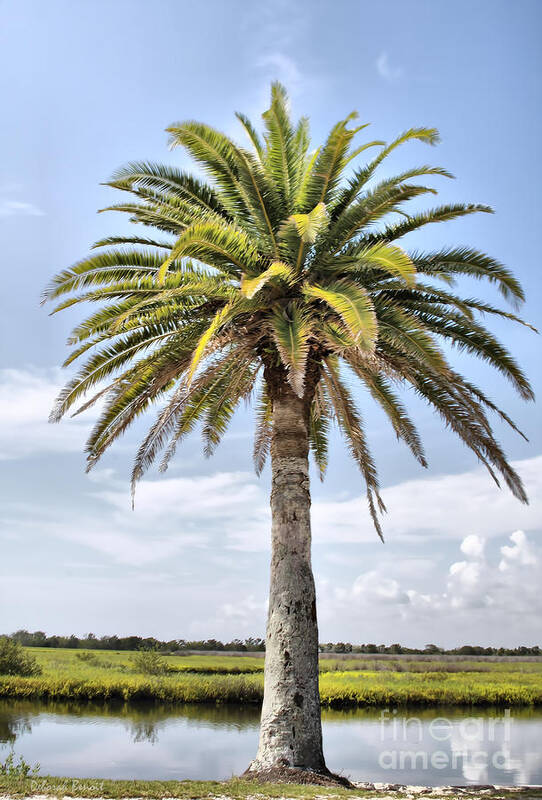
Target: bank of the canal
<point>236,789</point>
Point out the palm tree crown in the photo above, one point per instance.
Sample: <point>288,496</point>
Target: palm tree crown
<point>283,273</point>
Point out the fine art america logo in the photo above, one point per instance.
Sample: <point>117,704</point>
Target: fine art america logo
<point>475,743</point>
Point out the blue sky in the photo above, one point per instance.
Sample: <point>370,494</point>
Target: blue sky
<point>88,86</point>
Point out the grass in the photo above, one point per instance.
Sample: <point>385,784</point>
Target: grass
<point>99,676</point>
<point>236,789</point>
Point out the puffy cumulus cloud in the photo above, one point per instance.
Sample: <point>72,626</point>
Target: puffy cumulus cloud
<point>473,546</point>
<point>371,587</point>
<point>509,587</point>
<point>26,399</point>
<point>520,553</point>
<point>475,590</point>
<point>466,583</point>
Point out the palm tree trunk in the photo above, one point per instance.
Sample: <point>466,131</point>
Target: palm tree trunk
<point>290,731</point>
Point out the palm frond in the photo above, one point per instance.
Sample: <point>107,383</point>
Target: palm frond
<point>325,174</point>
<point>281,154</point>
<point>278,269</point>
<point>467,261</point>
<point>252,134</point>
<point>167,181</point>
<point>353,305</point>
<point>291,330</point>
<point>438,214</point>
<point>216,153</point>
<point>351,425</point>
<point>264,426</point>
<point>224,247</point>
<point>319,421</point>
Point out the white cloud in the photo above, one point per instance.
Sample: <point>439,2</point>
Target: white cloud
<point>373,587</point>
<point>476,593</point>
<point>282,68</point>
<point>473,546</point>
<point>223,495</point>
<point>520,553</point>
<point>13,208</point>
<point>181,526</point>
<point>10,207</point>
<point>444,505</point>
<point>26,399</point>
<point>418,510</point>
<point>244,609</point>
<point>170,516</point>
<point>129,547</point>
<point>386,70</point>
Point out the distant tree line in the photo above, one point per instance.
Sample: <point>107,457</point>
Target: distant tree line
<point>429,649</point>
<point>92,642</point>
<point>250,645</point>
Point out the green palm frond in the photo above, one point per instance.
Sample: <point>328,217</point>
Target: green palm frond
<point>467,261</point>
<point>309,225</point>
<point>237,385</point>
<point>319,423</point>
<point>439,214</point>
<point>252,134</point>
<point>353,305</point>
<point>186,405</point>
<point>291,329</point>
<point>220,318</point>
<point>167,181</point>
<point>326,171</point>
<point>223,247</point>
<point>282,156</point>
<point>264,425</point>
<point>216,153</point>
<point>351,425</point>
<point>278,269</point>
<point>389,258</point>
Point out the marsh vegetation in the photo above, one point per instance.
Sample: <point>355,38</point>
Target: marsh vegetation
<point>108,675</point>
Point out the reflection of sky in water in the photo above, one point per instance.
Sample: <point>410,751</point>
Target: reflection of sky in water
<point>217,742</point>
<point>473,748</point>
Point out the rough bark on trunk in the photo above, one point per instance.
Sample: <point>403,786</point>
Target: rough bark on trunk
<point>290,732</point>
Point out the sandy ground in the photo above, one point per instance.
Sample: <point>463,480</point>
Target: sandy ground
<point>381,791</point>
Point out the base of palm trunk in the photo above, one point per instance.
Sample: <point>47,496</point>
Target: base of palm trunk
<point>280,774</point>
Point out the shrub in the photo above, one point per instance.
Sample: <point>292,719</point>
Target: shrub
<point>21,770</point>
<point>149,662</point>
<point>87,657</point>
<point>14,660</point>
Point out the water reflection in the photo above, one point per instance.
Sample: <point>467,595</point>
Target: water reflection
<point>206,741</point>
<point>12,724</point>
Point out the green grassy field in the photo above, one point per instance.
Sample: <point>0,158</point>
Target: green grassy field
<point>106,675</point>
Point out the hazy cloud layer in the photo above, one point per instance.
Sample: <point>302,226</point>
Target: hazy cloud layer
<point>26,400</point>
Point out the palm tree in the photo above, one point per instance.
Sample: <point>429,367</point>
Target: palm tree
<point>281,279</point>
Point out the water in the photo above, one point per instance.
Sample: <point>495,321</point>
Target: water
<point>210,742</point>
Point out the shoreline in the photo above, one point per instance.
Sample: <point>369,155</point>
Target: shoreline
<point>40,788</point>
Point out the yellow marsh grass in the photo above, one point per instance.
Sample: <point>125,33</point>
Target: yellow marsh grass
<point>231,679</point>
